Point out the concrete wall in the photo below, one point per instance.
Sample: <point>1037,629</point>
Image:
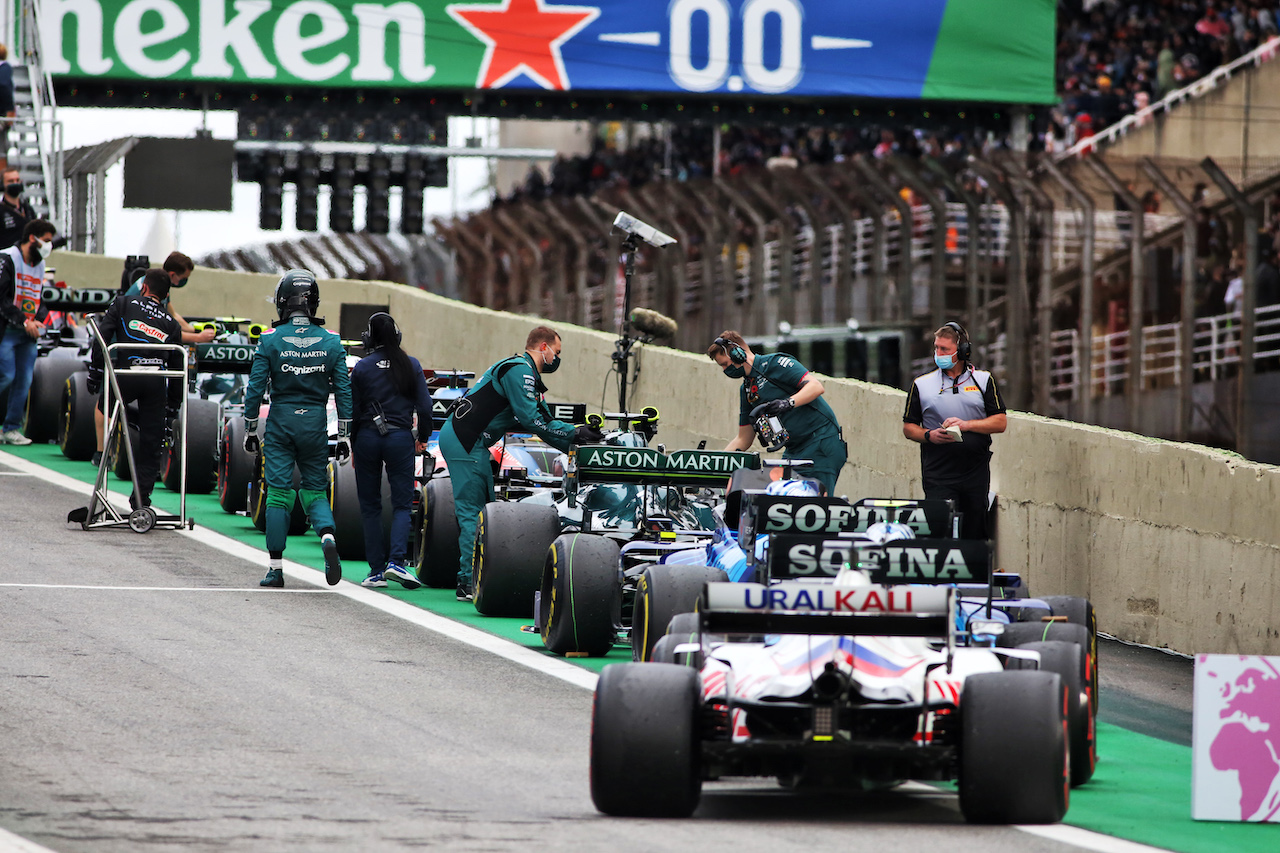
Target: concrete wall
<point>1177,545</point>
<point>1231,123</point>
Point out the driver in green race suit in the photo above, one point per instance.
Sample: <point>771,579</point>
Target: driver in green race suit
<point>302,363</point>
<point>510,393</point>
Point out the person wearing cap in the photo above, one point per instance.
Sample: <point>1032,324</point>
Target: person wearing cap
<point>954,400</point>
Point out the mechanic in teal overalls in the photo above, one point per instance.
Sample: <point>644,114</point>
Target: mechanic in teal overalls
<point>792,394</point>
<point>302,363</point>
<point>510,393</point>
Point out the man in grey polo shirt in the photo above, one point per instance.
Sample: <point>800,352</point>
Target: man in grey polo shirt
<point>956,395</point>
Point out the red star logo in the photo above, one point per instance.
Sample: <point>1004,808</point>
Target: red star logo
<point>522,36</point>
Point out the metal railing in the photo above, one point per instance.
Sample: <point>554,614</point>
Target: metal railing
<point>1215,354</point>
<point>44,119</point>
<point>1259,55</point>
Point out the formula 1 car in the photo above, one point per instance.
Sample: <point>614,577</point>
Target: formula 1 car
<point>846,660</point>
<point>578,558</point>
<point>524,465</point>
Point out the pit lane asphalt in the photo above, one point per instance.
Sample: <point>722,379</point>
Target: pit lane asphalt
<point>186,709</point>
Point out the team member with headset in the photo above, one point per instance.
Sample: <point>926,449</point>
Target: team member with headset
<point>956,395</point>
<point>509,393</point>
<point>302,363</point>
<point>788,391</point>
<point>387,389</point>
<point>142,319</point>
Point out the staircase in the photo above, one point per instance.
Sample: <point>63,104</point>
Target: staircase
<point>35,139</point>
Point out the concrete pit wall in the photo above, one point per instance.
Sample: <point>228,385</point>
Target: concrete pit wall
<point>1176,545</point>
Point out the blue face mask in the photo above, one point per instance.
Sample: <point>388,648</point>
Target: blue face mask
<point>735,371</point>
<point>945,362</point>
<point>552,366</point>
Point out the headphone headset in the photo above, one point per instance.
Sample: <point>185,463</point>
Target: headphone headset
<point>964,349</point>
<point>366,337</point>
<point>735,352</point>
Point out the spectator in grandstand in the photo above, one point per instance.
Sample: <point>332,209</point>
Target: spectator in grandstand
<point>1266,275</point>
<point>958,396</point>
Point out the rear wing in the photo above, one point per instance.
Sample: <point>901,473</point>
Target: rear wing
<point>910,561</point>
<point>648,467</point>
<point>813,608</point>
<point>224,357</point>
<point>773,514</point>
<point>77,298</point>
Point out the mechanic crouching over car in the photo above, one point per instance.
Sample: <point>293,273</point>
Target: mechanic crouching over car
<point>387,389</point>
<point>510,393</point>
<point>776,385</point>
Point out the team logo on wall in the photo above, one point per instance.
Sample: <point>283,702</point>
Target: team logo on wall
<point>1235,738</point>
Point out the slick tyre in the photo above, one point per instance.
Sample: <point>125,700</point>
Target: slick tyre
<point>202,445</point>
<point>114,449</point>
<point>44,400</point>
<point>1012,713</point>
<point>77,437</point>
<point>645,754</point>
<point>662,593</point>
<point>1031,632</point>
<point>580,595</point>
<point>235,467</point>
<point>511,545</point>
<point>438,551</point>
<point>1071,662</point>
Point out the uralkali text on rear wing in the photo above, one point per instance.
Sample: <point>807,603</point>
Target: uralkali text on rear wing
<point>807,608</point>
<point>646,466</point>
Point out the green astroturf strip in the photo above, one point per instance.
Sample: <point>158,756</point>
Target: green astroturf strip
<point>1141,790</point>
<point>305,549</point>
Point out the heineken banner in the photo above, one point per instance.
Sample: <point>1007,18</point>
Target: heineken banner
<point>974,50</point>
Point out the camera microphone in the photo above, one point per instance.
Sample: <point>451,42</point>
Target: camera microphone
<point>653,324</point>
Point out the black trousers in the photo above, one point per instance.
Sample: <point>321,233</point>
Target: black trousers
<point>970,498</point>
<point>150,393</point>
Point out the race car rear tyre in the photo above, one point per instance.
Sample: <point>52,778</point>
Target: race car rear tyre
<point>344,500</point>
<point>1071,662</point>
<point>684,625</point>
<point>117,456</point>
<point>1021,714</point>
<point>202,442</point>
<point>45,397</point>
<point>662,593</point>
<point>683,628</point>
<point>77,436</point>
<point>1079,611</point>
<point>581,596</point>
<point>438,551</point>
<point>258,500</point>
<point>235,467</point>
<point>1032,632</point>
<point>664,651</point>
<point>645,754</point>
<point>511,545</point>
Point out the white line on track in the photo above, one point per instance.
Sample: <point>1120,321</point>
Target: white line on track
<point>474,637</point>
<point>159,588</point>
<point>10,843</point>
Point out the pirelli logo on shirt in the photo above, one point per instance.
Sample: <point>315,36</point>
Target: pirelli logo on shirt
<point>971,388</point>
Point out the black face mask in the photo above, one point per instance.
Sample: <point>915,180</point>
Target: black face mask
<point>14,189</point>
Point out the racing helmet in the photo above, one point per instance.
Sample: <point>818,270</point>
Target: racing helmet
<point>889,531</point>
<point>297,293</point>
<point>793,488</point>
